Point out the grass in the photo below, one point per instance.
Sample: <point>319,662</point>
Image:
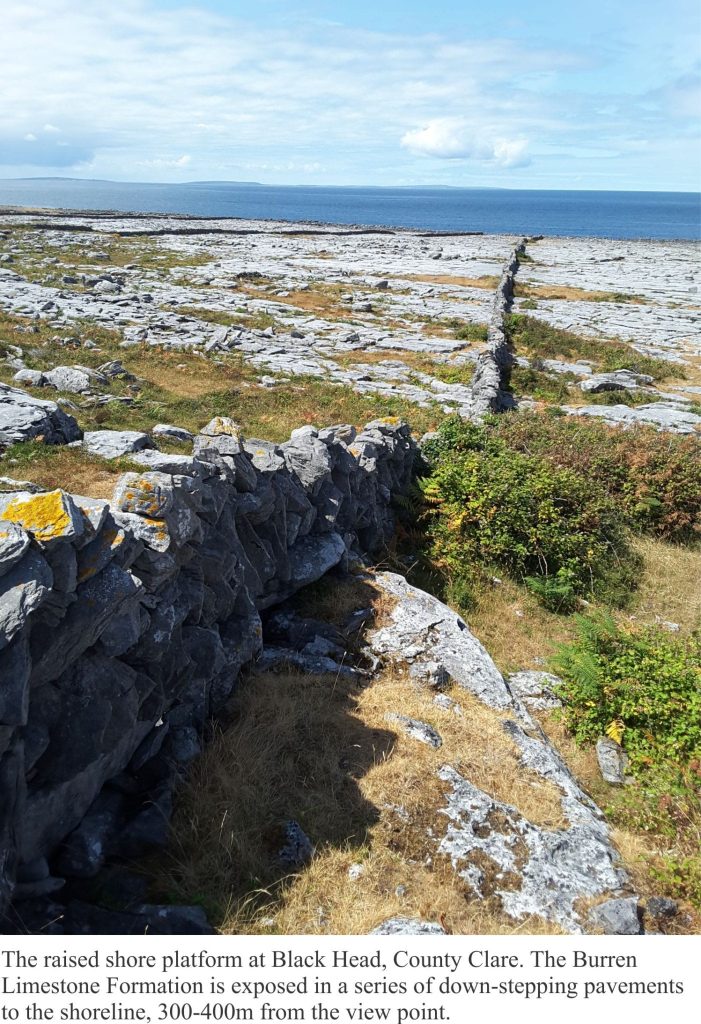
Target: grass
<point>544,387</point>
<point>258,321</point>
<point>486,281</point>
<point>71,469</point>
<point>78,257</point>
<point>539,339</point>
<point>186,389</point>
<point>320,750</point>
<point>569,292</point>
<point>668,588</point>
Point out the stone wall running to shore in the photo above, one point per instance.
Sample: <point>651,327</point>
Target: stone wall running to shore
<point>490,382</point>
<point>124,624</point>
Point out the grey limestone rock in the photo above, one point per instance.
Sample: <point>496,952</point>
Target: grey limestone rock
<point>555,868</point>
<point>617,917</point>
<point>24,418</point>
<point>417,730</point>
<point>612,761</point>
<point>658,414</point>
<point>74,379</point>
<point>112,444</point>
<point>436,635</point>
<point>33,378</point>
<point>408,926</point>
<point>536,689</point>
<point>170,432</point>
<point>23,590</point>
<point>14,541</point>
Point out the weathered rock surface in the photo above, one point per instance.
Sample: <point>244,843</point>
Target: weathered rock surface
<point>656,414</point>
<point>25,418</point>
<point>407,926</point>
<point>536,689</point>
<point>112,444</point>
<point>492,846</point>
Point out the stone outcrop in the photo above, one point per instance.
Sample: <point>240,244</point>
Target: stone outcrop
<point>25,418</point>
<point>492,845</point>
<point>124,624</point>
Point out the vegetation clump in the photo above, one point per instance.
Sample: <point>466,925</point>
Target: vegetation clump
<point>642,688</point>
<point>538,338</point>
<point>654,478</point>
<point>491,506</point>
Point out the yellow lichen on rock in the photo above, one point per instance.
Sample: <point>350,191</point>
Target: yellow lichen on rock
<point>224,425</point>
<point>44,515</point>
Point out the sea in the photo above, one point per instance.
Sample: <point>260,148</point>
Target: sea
<point>661,215</point>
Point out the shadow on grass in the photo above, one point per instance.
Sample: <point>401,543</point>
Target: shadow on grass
<point>294,750</point>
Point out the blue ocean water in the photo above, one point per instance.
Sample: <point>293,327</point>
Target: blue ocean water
<point>601,214</point>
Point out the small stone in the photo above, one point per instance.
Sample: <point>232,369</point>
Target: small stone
<point>612,761</point>
<point>298,849</point>
<point>661,906</point>
<point>420,731</point>
<point>172,433</point>
<point>617,917</point>
<point>355,871</point>
<point>112,444</point>
<point>408,926</point>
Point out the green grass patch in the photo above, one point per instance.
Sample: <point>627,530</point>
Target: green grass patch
<point>537,338</point>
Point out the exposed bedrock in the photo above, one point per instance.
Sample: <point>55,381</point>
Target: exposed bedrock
<point>124,624</point>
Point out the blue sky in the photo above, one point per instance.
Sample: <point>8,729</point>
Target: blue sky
<point>392,92</point>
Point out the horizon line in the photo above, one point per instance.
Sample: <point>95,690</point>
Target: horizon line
<point>259,184</point>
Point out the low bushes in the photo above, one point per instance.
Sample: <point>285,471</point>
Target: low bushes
<point>641,687</point>
<point>552,500</point>
<point>490,505</point>
<point>654,478</point>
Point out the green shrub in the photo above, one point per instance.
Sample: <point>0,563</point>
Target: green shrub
<point>654,478</point>
<point>490,505</point>
<point>543,386</point>
<point>641,687</point>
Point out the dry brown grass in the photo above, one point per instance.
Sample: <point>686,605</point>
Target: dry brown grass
<point>670,584</point>
<point>487,281</point>
<point>516,630</point>
<point>321,750</point>
<point>71,469</point>
<point>322,300</point>
<point>565,291</point>
<point>418,361</point>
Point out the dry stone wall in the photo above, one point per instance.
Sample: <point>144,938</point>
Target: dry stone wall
<point>124,624</point>
<point>490,381</point>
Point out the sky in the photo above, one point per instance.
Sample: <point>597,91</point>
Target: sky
<point>602,94</point>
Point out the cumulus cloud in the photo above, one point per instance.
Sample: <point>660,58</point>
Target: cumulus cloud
<point>455,139</point>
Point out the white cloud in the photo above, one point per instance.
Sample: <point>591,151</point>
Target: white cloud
<point>455,139</point>
<point>136,90</point>
<point>30,137</point>
<point>167,161</point>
